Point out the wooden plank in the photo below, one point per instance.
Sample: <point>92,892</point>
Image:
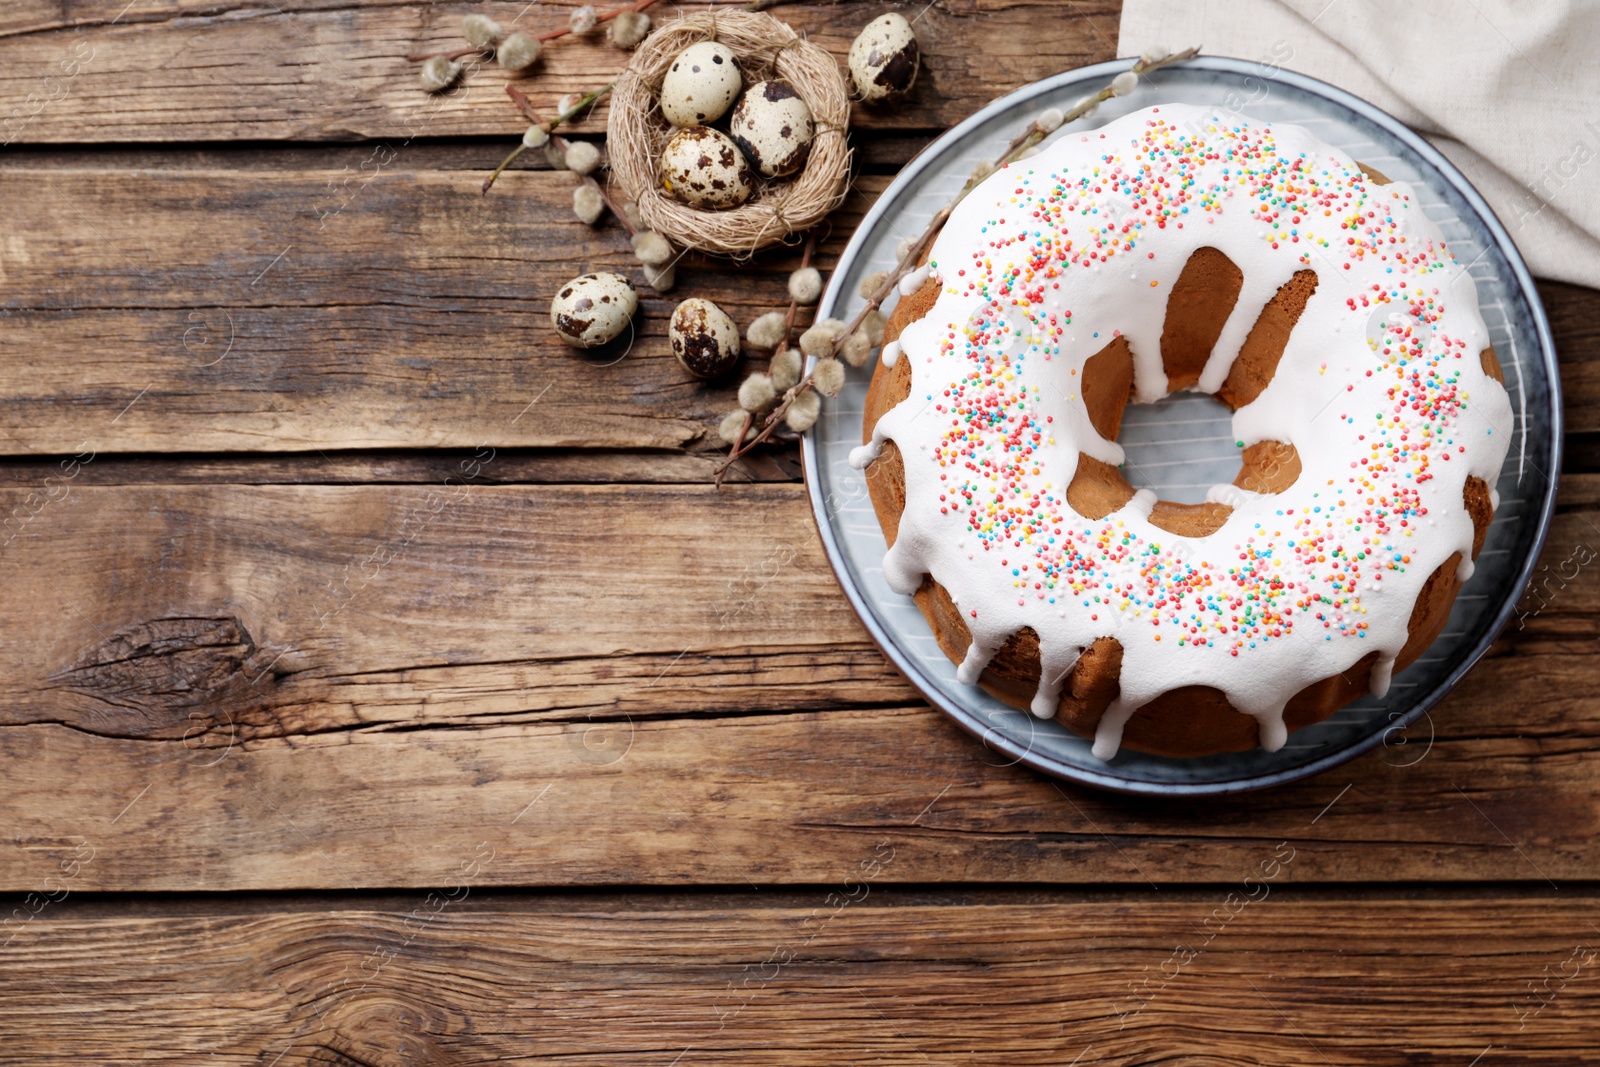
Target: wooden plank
<point>1574,314</point>
<point>236,687</point>
<point>1248,972</point>
<point>279,310</point>
<point>248,312</point>
<point>885,151</point>
<point>408,467</point>
<point>187,70</point>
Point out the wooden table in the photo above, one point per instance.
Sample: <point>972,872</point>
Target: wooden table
<point>383,684</point>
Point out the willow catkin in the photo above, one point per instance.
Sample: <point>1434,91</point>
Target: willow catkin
<point>518,52</point>
<point>828,376</point>
<point>785,369</point>
<point>856,348</point>
<point>803,412</point>
<point>651,249</point>
<point>661,279</point>
<point>767,49</point>
<point>732,426</point>
<point>438,74</point>
<point>873,325</point>
<point>581,157</point>
<point>756,393</point>
<point>588,204</point>
<point>805,285</point>
<point>629,28</point>
<point>818,339</point>
<point>481,31</point>
<point>768,330</point>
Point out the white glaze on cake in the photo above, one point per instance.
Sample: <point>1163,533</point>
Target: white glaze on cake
<point>1379,388</point>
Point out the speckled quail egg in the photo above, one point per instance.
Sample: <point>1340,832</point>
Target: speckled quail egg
<point>883,60</point>
<point>772,127</point>
<point>701,85</point>
<point>592,309</point>
<point>704,338</point>
<point>703,168</point>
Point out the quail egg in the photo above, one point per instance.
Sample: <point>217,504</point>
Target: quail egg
<point>704,338</point>
<point>592,309</point>
<point>702,83</point>
<point>883,60</point>
<point>703,168</point>
<point>772,126</point>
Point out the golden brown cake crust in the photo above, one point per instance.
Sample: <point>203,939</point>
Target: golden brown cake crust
<point>1194,720</point>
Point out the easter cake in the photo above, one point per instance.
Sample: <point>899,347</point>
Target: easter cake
<point>1178,248</point>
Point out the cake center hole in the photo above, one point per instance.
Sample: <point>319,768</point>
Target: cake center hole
<point>1179,447</point>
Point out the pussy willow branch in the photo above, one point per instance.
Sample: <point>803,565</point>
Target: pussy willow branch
<point>521,100</point>
<point>1033,135</point>
<point>794,305</point>
<point>638,5</point>
<point>739,446</point>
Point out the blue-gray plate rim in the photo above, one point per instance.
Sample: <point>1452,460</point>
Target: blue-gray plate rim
<point>1187,776</point>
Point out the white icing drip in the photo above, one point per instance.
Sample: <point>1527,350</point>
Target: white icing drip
<point>977,658</point>
<point>861,455</point>
<point>1327,616</point>
<point>1466,569</point>
<point>1272,733</point>
<point>914,281</point>
<point>1382,673</point>
<point>1149,376</point>
<point>1054,667</point>
<point>1231,495</point>
<point>891,352</point>
<point>1108,732</point>
<point>1254,293</point>
<point>1075,419</point>
<point>901,571</point>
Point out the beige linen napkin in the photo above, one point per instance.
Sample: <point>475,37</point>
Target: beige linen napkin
<point>1510,92</point>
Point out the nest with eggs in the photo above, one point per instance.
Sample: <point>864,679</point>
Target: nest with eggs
<point>767,50</point>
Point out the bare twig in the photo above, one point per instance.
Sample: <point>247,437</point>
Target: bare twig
<point>582,103</point>
<point>504,163</point>
<point>637,5</point>
<point>622,216</point>
<point>524,105</point>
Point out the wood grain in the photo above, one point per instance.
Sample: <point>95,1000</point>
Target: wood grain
<point>327,686</point>
<point>338,599</point>
<point>309,70</point>
<point>264,311</point>
<point>306,311</point>
<point>845,973</point>
<point>408,467</point>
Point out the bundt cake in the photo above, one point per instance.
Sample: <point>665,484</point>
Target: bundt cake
<point>1182,248</point>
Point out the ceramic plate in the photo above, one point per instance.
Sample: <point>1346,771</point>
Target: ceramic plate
<point>1184,444</point>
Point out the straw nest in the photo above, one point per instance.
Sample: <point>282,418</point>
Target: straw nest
<point>767,49</point>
